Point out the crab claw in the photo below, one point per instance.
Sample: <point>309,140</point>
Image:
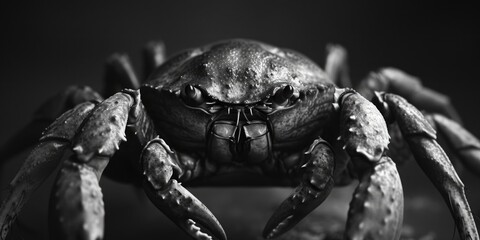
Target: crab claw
<point>316,184</point>
<point>169,196</point>
<point>186,211</point>
<point>303,201</point>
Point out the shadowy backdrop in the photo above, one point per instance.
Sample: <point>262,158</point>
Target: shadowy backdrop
<point>46,47</point>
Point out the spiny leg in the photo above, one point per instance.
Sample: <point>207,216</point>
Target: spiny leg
<point>40,163</point>
<point>76,201</point>
<point>443,115</point>
<point>388,80</point>
<point>461,142</point>
<point>376,210</point>
<point>161,171</point>
<point>398,82</point>
<point>421,138</point>
<point>410,87</point>
<point>316,182</point>
<point>119,74</point>
<point>44,116</point>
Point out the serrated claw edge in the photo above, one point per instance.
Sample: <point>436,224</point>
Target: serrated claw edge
<point>185,210</point>
<point>196,231</point>
<point>299,204</point>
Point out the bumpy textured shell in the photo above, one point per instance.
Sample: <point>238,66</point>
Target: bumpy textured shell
<point>237,71</point>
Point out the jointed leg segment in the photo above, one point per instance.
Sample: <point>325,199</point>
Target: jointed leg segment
<point>398,82</point>
<point>161,171</point>
<point>376,210</point>
<point>94,133</point>
<point>463,143</point>
<point>76,203</point>
<point>316,176</point>
<point>77,198</point>
<point>44,116</point>
<point>41,162</point>
<point>420,137</point>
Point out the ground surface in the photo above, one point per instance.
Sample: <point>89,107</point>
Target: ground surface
<point>243,212</point>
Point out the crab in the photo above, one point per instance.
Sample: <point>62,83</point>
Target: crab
<point>241,112</point>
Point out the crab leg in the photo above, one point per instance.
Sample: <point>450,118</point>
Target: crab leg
<point>464,144</point>
<point>119,74</point>
<point>316,183</point>
<point>420,136</point>
<point>398,82</point>
<point>376,210</point>
<point>44,116</point>
<point>76,197</point>
<point>336,66</point>
<point>161,171</point>
<point>40,163</point>
<point>153,56</point>
<point>77,200</point>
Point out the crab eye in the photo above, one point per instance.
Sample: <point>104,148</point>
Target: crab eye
<point>192,95</point>
<point>282,95</point>
<point>288,91</point>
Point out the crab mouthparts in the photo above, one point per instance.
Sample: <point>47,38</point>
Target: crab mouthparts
<point>240,134</point>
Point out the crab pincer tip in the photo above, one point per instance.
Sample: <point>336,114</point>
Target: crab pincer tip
<point>189,213</point>
<point>299,204</point>
<point>213,232</point>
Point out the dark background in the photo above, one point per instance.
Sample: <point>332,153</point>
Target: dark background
<point>46,47</point>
